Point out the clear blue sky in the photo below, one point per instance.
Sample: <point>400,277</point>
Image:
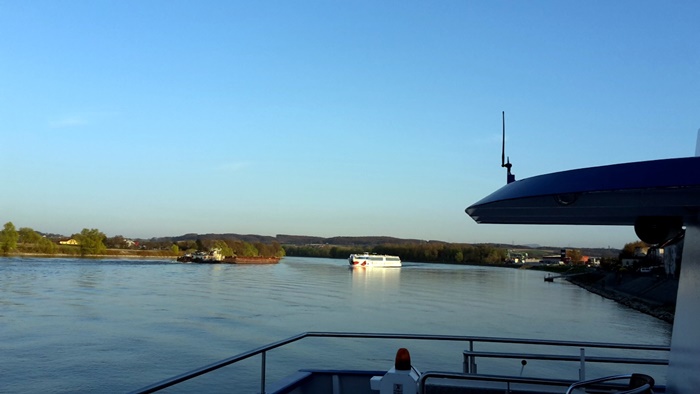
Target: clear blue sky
<point>328,118</point>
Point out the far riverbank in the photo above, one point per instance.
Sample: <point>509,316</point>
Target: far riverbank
<point>110,255</point>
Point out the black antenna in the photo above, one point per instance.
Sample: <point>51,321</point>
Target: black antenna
<point>506,163</point>
<point>503,148</point>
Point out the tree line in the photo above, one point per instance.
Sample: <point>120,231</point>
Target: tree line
<point>26,240</point>
<point>231,247</point>
<point>429,252</point>
<point>94,242</point>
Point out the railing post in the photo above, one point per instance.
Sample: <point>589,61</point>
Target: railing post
<point>262,373</point>
<point>467,359</point>
<point>472,358</point>
<point>582,369</point>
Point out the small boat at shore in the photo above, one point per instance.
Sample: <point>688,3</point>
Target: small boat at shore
<point>374,260</point>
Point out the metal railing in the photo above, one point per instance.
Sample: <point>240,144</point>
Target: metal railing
<point>471,340</point>
<point>507,381</point>
<point>470,356</point>
<point>642,387</point>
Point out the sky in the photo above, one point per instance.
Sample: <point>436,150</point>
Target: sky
<point>328,118</point>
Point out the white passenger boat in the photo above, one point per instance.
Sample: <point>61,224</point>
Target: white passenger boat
<point>373,260</point>
<point>661,199</point>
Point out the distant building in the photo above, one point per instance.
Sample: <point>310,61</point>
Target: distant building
<point>640,251</point>
<point>516,258</point>
<point>644,257</point>
<point>551,260</point>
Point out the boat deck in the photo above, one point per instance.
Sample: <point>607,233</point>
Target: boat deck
<point>465,379</point>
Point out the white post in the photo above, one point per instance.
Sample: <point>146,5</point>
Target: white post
<point>684,363</point>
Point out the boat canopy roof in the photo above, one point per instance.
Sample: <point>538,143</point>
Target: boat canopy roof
<point>608,195</point>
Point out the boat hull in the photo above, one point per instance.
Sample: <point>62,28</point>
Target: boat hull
<point>374,260</point>
<point>251,260</point>
<point>229,260</point>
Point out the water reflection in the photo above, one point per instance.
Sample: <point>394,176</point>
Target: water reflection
<point>375,279</point>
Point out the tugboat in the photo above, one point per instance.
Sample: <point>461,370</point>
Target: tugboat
<point>213,256</point>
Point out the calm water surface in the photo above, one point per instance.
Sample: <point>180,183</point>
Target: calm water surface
<point>73,325</point>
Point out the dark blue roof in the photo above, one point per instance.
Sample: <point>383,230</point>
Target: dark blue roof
<point>614,194</point>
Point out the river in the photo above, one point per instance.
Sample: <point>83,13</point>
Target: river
<point>80,325</point>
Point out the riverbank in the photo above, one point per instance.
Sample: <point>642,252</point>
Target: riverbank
<point>148,255</point>
<point>109,255</point>
<point>647,293</point>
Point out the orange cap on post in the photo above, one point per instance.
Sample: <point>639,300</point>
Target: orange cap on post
<point>403,360</point>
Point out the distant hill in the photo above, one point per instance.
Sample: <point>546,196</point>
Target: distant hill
<point>360,241</point>
<point>251,238</point>
<point>345,241</point>
<point>286,239</point>
<point>366,241</point>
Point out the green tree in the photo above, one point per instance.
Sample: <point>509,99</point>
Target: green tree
<point>28,236</point>
<point>8,238</point>
<point>116,242</point>
<point>175,249</point>
<point>496,255</point>
<point>223,247</point>
<point>91,241</point>
<point>249,250</point>
<point>188,246</point>
<point>244,249</point>
<point>47,246</point>
<point>482,253</point>
<point>277,249</point>
<point>430,254</point>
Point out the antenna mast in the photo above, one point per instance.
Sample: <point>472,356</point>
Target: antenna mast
<point>506,163</point>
